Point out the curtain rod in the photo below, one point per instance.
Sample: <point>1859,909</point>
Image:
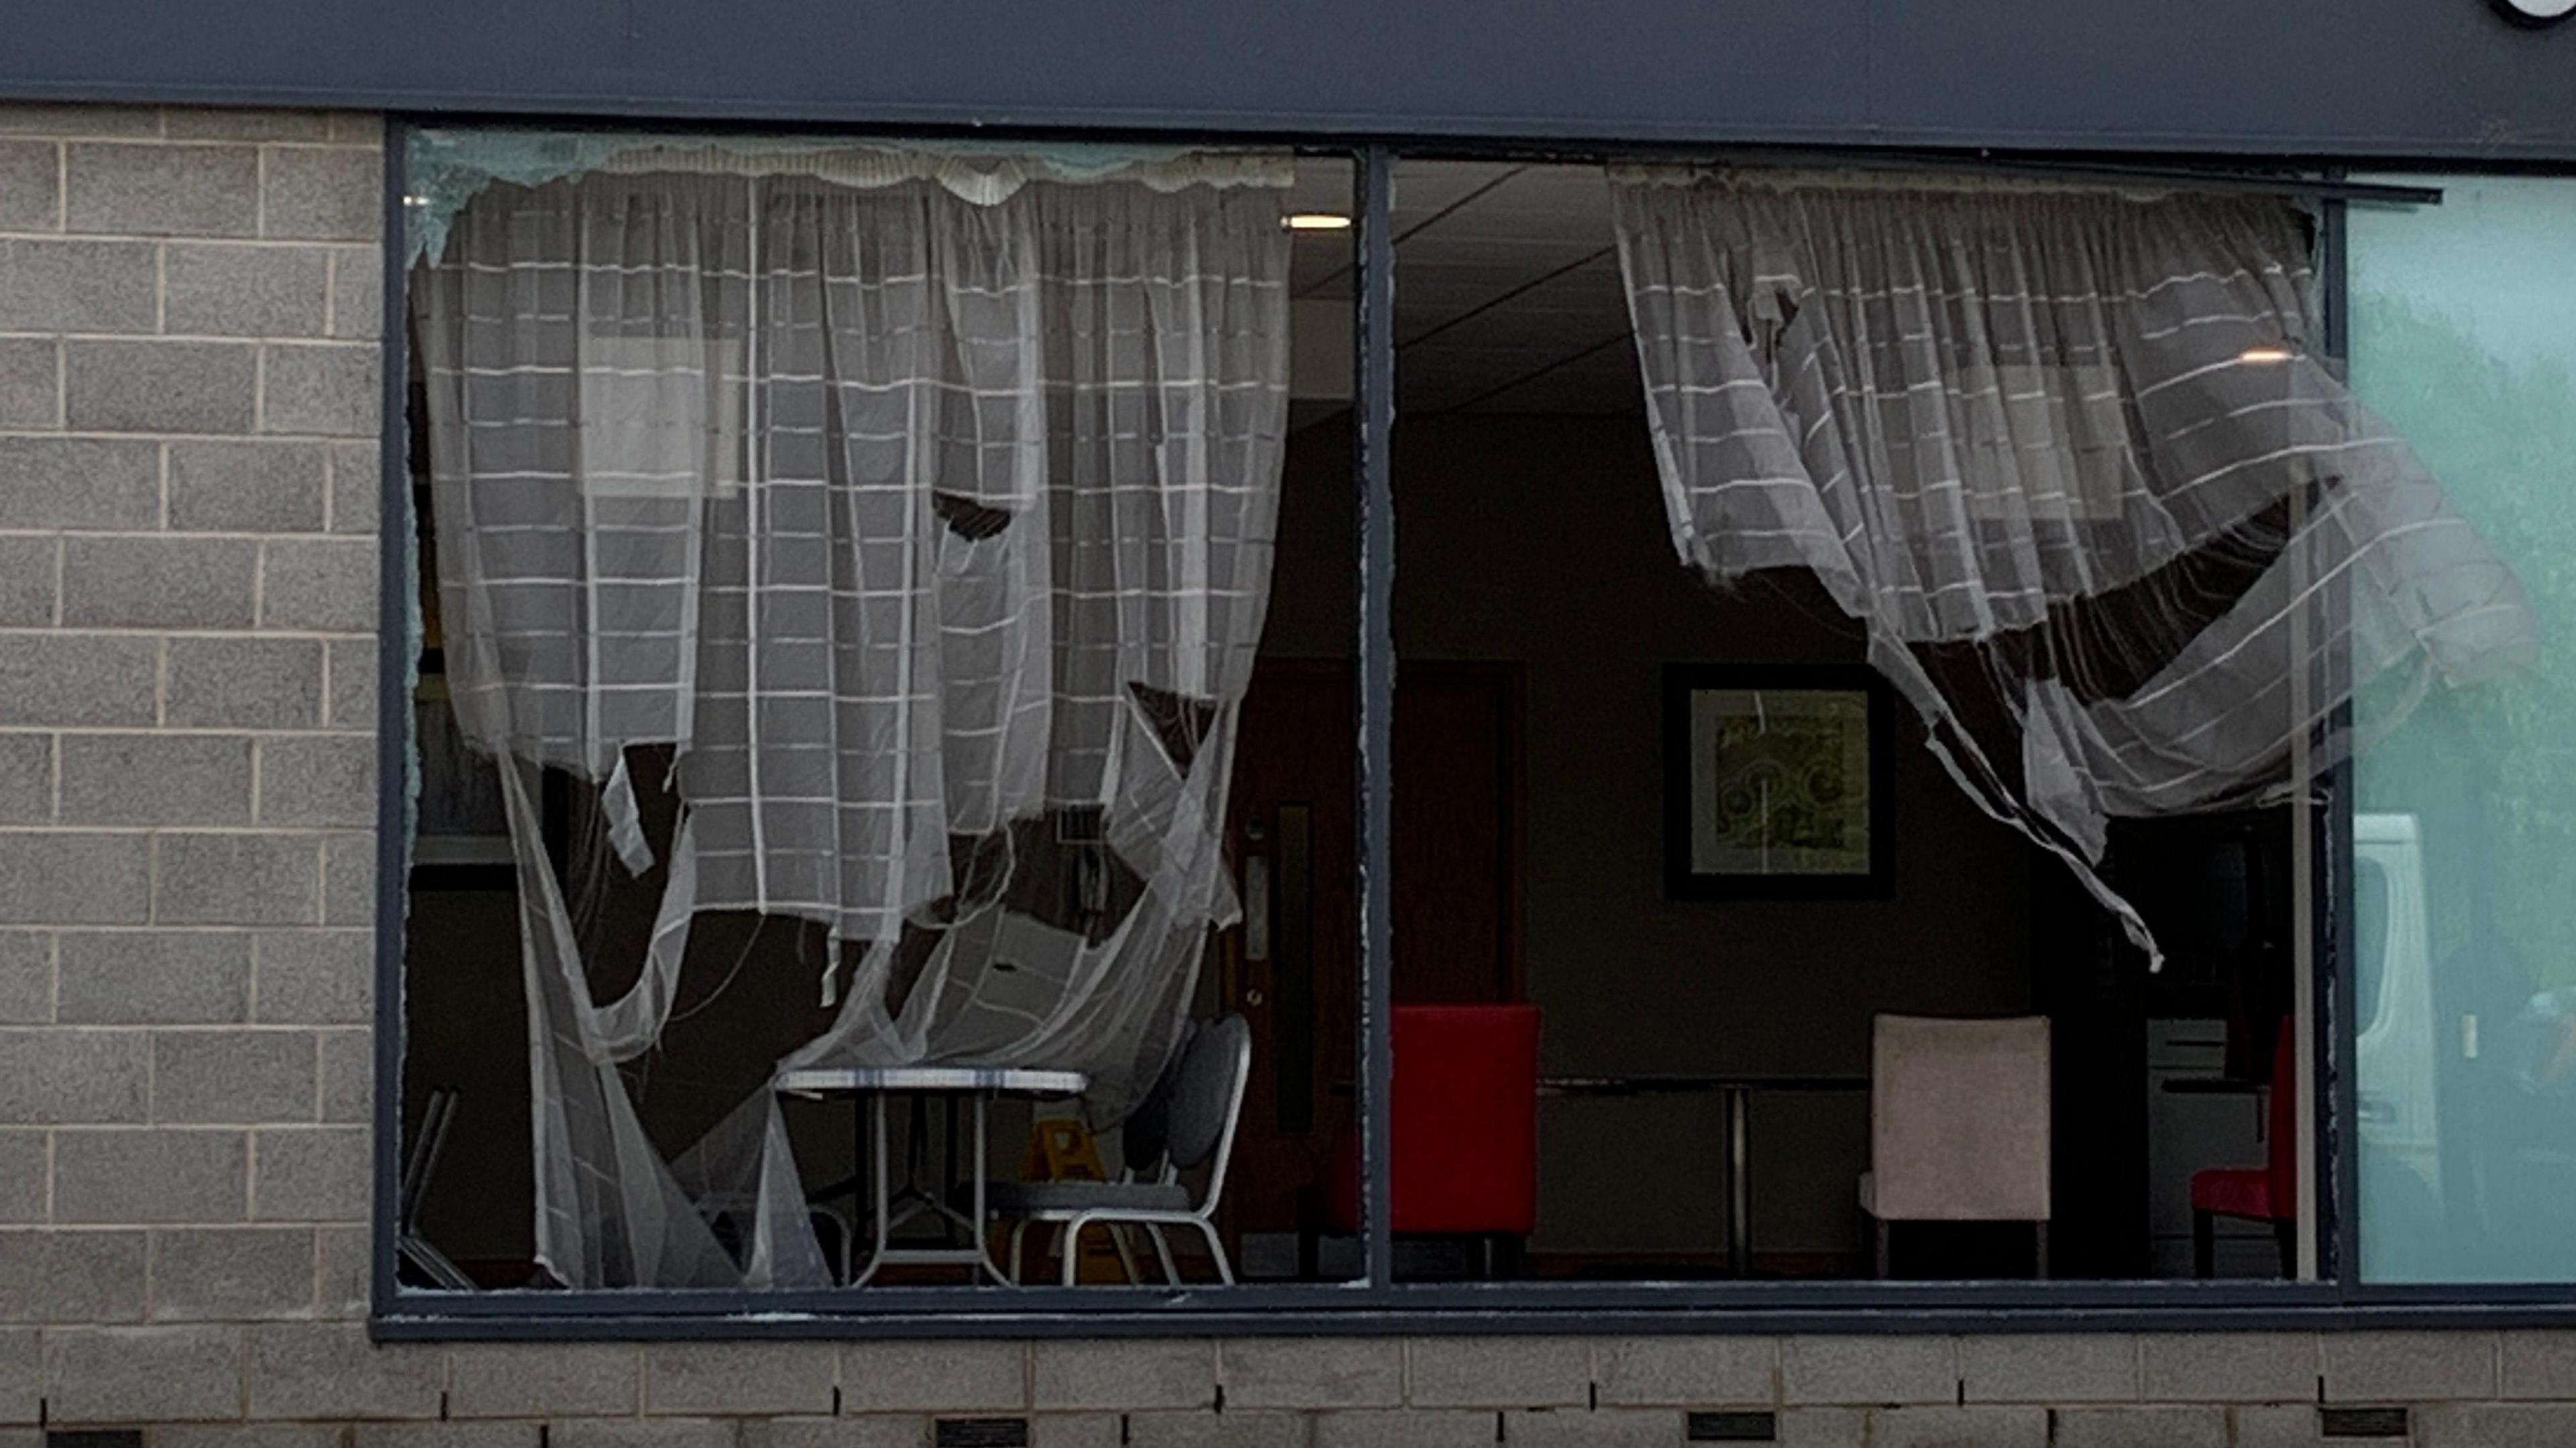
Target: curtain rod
<point>2179,178</point>
<point>2094,173</point>
<point>2185,179</point>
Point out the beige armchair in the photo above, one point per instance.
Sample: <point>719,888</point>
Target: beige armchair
<point>1958,1125</point>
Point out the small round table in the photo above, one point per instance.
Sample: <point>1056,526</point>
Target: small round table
<point>978,1085</point>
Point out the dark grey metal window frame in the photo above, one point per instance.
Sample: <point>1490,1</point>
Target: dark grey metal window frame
<point>1376,1303</point>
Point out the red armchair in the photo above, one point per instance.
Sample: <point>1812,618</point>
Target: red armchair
<point>1464,1158</point>
<point>2266,1193</point>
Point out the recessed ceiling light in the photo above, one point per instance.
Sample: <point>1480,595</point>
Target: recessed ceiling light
<point>1315,221</point>
<point>2268,354</point>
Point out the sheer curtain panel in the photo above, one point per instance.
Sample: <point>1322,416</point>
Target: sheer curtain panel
<point>2072,459</point>
<point>903,546</point>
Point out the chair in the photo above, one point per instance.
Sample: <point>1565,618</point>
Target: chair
<point>1463,1118</point>
<point>1186,1123</point>
<point>412,1249</point>
<point>2266,1193</point>
<point>1959,1125</point>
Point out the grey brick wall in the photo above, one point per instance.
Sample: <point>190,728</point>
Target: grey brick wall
<point>188,315</point>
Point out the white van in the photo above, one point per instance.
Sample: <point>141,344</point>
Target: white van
<point>2397,1053</point>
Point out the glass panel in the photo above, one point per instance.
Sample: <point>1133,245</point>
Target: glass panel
<point>821,765</point>
<point>2464,337</point>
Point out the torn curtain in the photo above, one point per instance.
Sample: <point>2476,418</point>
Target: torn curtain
<point>915,538</point>
<point>2072,458</point>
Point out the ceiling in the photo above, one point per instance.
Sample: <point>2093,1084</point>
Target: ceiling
<point>1507,289</point>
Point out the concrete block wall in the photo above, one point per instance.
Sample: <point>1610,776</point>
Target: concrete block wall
<point>324,1385</point>
<point>190,312</point>
<point>189,306</point>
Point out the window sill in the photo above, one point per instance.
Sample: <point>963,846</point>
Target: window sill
<point>1459,1309</point>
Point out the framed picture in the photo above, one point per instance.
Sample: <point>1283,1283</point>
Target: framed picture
<point>1778,782</point>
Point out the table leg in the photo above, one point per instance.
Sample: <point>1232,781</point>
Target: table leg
<point>877,1173</point>
<point>916,1162</point>
<point>948,1177</point>
<point>1739,1182</point>
<point>861,1197</point>
<point>941,1198</point>
<point>983,1245</point>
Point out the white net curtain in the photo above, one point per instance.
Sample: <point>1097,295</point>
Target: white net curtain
<point>2070,457</point>
<point>880,538</point>
<point>897,524</point>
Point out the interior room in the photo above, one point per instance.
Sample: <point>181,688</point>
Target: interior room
<point>1660,1052</point>
<point>1539,611</point>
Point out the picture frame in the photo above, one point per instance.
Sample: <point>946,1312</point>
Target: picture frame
<point>1779,782</point>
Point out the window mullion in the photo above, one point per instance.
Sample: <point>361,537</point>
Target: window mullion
<point>1375,647</point>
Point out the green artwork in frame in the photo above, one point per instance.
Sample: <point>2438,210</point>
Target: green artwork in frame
<point>1776,782</point>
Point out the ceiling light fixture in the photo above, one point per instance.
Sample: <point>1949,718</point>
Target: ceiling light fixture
<point>2265,355</point>
<point>1315,221</point>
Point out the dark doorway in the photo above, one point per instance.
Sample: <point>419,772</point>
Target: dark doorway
<point>1291,968</point>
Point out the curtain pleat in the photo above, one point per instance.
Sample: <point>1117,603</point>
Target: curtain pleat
<point>2071,456</point>
<point>901,528</point>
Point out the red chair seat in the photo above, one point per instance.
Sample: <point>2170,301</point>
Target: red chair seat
<point>2270,1192</point>
<point>1464,1121</point>
<point>2235,1191</point>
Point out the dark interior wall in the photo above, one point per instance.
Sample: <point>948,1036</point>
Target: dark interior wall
<point>465,1028</point>
<point>1543,541</point>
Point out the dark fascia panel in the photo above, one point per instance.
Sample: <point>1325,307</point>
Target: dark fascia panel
<point>2427,79</point>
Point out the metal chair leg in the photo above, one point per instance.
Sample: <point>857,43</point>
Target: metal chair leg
<point>1072,1245</point>
<point>1126,1253</point>
<point>1163,1250</point>
<point>1216,1249</point>
<point>1019,1238</point>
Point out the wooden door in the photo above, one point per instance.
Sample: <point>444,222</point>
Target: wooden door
<point>1292,967</point>
<point>1457,833</point>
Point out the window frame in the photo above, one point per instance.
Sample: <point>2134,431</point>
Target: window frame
<point>1375,1303</point>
